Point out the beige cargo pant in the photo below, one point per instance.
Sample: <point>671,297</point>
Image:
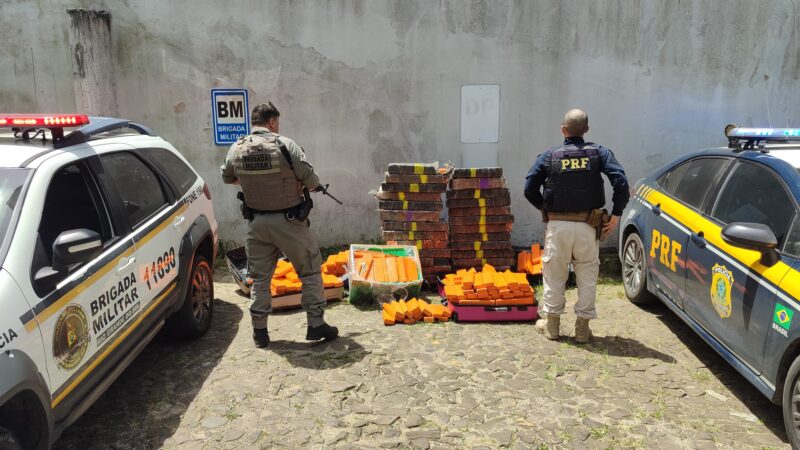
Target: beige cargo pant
<point>267,236</point>
<point>574,242</point>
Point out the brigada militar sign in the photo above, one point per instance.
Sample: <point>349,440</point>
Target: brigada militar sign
<point>231,115</point>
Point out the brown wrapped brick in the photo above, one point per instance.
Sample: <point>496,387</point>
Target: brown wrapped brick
<point>466,220</point>
<point>413,187</point>
<point>437,269</point>
<point>480,245</point>
<point>498,263</point>
<point>434,253</point>
<point>485,228</point>
<point>476,212</point>
<point>409,216</point>
<point>415,226</point>
<point>477,193</point>
<point>481,254</point>
<point>478,202</point>
<point>397,205</point>
<point>414,168</point>
<point>472,237</point>
<point>413,235</point>
<point>410,196</point>
<point>479,172</point>
<point>423,244</point>
<point>419,179</point>
<point>426,262</point>
<point>477,183</point>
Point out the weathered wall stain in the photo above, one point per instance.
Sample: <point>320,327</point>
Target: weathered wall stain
<point>364,83</point>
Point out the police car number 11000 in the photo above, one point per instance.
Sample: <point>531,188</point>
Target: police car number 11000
<point>160,268</point>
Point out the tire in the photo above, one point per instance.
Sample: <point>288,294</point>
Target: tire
<point>8,440</point>
<point>194,318</point>
<point>634,271</point>
<point>791,404</point>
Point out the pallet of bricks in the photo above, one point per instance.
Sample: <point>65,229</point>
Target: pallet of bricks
<point>479,209</point>
<point>410,205</point>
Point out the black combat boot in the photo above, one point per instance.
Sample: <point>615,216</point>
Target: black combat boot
<point>323,331</point>
<point>261,337</point>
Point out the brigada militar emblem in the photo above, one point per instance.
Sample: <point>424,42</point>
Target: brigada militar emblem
<point>721,284</point>
<point>71,337</point>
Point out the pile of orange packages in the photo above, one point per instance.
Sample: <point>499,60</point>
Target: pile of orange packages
<point>286,281</point>
<point>530,262</point>
<point>383,268</point>
<point>412,311</point>
<point>487,288</point>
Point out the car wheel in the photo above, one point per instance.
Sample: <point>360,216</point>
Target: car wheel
<point>791,404</point>
<point>8,440</point>
<point>634,270</point>
<point>194,317</point>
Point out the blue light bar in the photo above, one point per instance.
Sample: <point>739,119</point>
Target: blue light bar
<point>765,134</point>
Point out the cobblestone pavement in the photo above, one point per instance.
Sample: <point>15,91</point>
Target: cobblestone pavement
<point>646,381</point>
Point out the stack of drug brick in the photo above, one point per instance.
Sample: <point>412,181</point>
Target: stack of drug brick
<point>478,203</point>
<point>410,203</point>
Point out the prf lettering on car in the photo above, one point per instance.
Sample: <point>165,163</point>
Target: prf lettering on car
<point>574,163</point>
<point>667,249</point>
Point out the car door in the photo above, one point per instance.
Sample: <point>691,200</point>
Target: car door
<point>687,188</point>
<point>157,223</point>
<point>734,296</point>
<point>81,314</point>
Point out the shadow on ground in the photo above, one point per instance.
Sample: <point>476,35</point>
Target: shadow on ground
<point>340,352</point>
<point>157,388</point>
<point>769,413</point>
<point>621,346</point>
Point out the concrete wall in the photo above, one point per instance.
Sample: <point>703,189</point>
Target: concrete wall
<point>362,83</point>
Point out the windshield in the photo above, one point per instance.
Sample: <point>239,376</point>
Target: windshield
<point>11,183</point>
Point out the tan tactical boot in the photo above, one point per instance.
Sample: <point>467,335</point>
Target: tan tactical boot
<point>582,331</point>
<point>548,325</point>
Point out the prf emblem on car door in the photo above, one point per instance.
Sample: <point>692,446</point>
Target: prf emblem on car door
<point>721,284</point>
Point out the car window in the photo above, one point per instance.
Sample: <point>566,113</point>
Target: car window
<point>11,182</point>
<point>753,194</point>
<point>693,180</point>
<point>792,246</point>
<point>72,202</point>
<point>139,187</point>
<point>181,175</point>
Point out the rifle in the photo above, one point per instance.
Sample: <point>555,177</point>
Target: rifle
<point>324,190</point>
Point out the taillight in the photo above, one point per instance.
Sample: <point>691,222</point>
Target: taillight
<point>43,120</point>
<point>206,191</point>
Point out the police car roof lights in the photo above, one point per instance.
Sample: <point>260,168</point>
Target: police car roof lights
<point>42,120</point>
<point>745,138</point>
<point>28,126</point>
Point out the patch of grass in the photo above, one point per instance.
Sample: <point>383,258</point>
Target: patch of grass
<point>599,432</point>
<point>701,375</point>
<point>564,435</point>
<point>231,415</point>
<point>543,447</point>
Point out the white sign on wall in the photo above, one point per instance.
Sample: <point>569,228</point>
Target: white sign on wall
<point>480,113</point>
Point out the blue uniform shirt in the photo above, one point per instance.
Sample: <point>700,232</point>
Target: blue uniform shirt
<point>538,175</point>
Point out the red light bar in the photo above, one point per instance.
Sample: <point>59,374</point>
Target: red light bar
<point>41,120</point>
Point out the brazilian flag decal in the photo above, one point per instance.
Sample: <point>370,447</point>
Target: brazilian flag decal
<point>783,316</point>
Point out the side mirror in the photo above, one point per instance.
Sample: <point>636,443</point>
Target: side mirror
<point>753,236</point>
<point>70,247</point>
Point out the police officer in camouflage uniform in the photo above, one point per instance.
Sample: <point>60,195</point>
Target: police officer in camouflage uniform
<point>273,189</point>
<point>571,201</point>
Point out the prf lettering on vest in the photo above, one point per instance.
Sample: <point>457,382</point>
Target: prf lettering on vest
<point>574,163</point>
<point>667,249</point>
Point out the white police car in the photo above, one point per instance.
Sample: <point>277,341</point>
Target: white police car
<point>715,235</point>
<point>107,235</point>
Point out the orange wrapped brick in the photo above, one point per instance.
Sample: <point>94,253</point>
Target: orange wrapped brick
<point>388,318</point>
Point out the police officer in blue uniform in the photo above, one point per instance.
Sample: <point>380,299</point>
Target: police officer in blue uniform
<point>571,204</point>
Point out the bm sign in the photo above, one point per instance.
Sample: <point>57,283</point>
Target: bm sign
<point>231,115</point>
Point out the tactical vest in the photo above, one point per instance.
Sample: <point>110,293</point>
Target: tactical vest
<point>574,182</point>
<point>267,181</point>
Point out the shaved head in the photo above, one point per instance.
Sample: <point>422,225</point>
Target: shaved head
<point>576,123</point>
